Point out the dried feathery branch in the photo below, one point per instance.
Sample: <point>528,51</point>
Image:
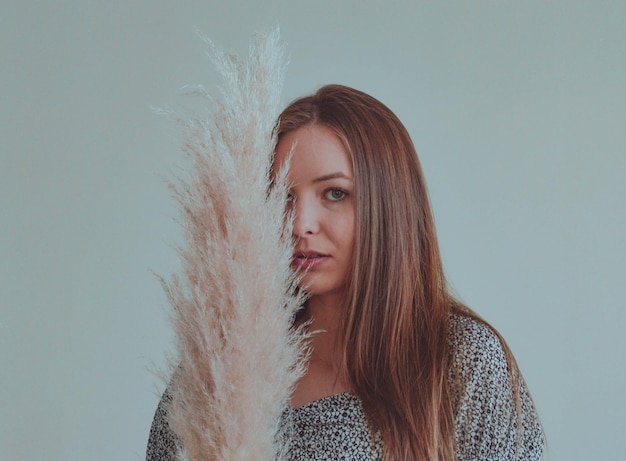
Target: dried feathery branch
<point>234,302</point>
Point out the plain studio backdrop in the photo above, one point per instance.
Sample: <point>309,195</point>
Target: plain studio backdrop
<point>517,109</point>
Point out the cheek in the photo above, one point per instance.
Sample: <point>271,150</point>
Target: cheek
<point>346,231</point>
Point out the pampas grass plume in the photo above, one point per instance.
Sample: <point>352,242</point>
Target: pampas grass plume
<point>233,302</point>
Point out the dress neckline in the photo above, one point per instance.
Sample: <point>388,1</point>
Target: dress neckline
<point>322,400</point>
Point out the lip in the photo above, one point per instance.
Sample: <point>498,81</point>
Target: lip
<point>309,260</point>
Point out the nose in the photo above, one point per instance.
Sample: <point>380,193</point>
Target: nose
<point>306,218</point>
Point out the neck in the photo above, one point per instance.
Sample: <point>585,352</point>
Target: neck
<point>325,374</point>
<point>324,317</point>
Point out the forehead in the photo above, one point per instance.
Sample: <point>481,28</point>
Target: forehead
<point>315,151</point>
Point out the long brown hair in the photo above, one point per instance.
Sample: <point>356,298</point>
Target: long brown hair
<point>395,324</point>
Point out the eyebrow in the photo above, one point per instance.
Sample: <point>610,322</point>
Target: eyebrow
<point>326,177</point>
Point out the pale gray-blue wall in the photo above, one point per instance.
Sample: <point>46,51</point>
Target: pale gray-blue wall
<point>518,110</point>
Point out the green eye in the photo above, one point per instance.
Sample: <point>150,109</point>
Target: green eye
<point>335,194</point>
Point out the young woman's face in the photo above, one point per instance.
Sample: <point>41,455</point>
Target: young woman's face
<point>322,189</point>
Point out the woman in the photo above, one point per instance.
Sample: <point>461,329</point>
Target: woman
<point>399,369</point>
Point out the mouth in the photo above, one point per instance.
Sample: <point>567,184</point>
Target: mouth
<point>309,260</point>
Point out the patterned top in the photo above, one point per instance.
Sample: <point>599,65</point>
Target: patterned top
<point>335,427</point>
